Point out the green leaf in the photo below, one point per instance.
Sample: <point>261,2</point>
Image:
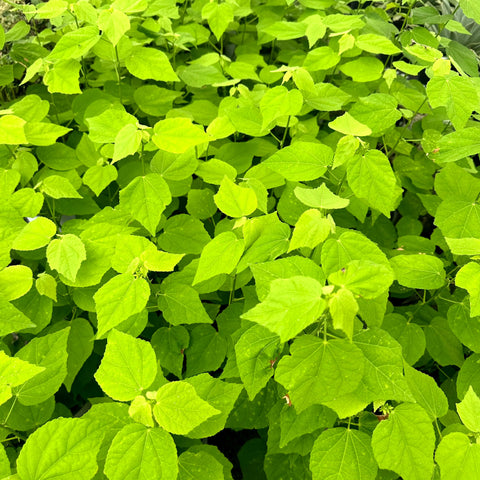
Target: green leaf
<point>35,234</point>
<point>317,372</point>
<point>169,344</point>
<point>405,442</point>
<point>12,130</point>
<point>113,24</point>
<point>63,77</point>
<point>455,183</point>
<point>460,225</point>
<point>15,281</point>
<point>442,344</point>
<point>50,352</point>
<point>234,200</point>
<point>321,58</point>
<point>13,320</point>
<point>468,277</point>
<point>340,453</point>
<point>105,126</point>
<point>75,44</point>
<point>179,409</point>
<point>301,161</point>
<point>124,377</point>
<point>14,372</point>
<point>206,351</point>
<point>79,347</point>
<point>311,229</point>
<point>457,145</point>
<point>44,134</point>
<point>418,271</point>
<point>457,94</point>
<point>183,234</point>
<point>469,410</point>
<point>371,178</point>
<point>465,328</point>
<point>177,135</point>
<point>138,451</point>
<point>348,125</point>
<point>150,63</point>
<point>220,255</point>
<point>256,351</point>
<point>213,171</point>
<point>370,42</point>
<point>145,198</point>
<point>220,395</point>
<point>127,142</point>
<point>182,166</point>
<point>343,307</point>
<point>288,267</point>
<point>98,177</point>
<point>59,448</point>
<point>383,376</point>
<point>471,9</point>
<point>291,305</point>
<point>218,16</point>
<point>199,465</point>
<point>320,197</point>
<point>66,254</point>
<point>363,69</point>
<point>157,261</point>
<point>56,186</point>
<point>181,304</point>
<point>426,393</point>
<point>121,297</point>
<point>469,376</point>
<point>378,112</point>
<point>278,102</point>
<point>457,457</point>
<point>364,278</point>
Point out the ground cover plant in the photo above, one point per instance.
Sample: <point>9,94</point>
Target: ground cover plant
<point>240,239</point>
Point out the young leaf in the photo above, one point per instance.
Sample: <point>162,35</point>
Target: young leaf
<point>137,449</point>
<point>122,377</point>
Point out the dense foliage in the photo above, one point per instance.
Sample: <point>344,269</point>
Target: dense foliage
<point>240,239</point>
